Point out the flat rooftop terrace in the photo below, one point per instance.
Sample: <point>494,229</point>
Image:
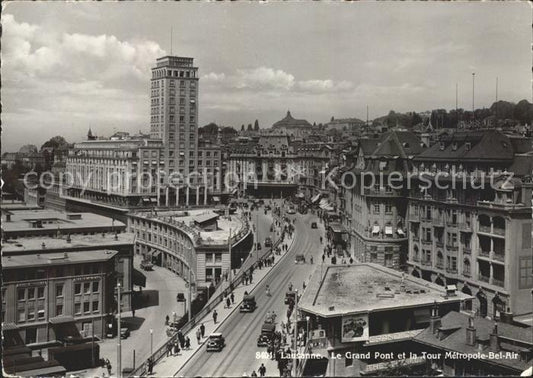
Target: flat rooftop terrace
<point>362,288</point>
<point>27,245</point>
<point>30,261</point>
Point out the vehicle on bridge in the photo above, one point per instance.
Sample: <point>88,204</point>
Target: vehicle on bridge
<point>267,334</point>
<point>314,225</point>
<point>299,259</point>
<point>290,296</point>
<point>180,297</point>
<point>146,265</point>
<point>268,242</point>
<point>291,210</point>
<point>124,333</point>
<point>248,304</point>
<point>216,342</point>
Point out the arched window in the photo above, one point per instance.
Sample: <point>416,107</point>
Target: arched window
<point>466,266</point>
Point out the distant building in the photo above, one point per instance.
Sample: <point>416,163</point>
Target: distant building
<point>298,128</point>
<point>345,124</point>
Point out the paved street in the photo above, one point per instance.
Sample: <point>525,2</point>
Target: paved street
<point>241,330</point>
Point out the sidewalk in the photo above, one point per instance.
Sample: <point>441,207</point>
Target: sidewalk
<point>171,365</point>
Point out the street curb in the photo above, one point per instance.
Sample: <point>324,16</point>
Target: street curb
<point>237,306</point>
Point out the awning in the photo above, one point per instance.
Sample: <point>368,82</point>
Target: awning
<point>337,227</point>
<point>61,319</point>
<point>139,279</point>
<point>156,253</point>
<point>400,232</point>
<point>9,327</point>
<point>216,198</point>
<point>388,230</point>
<point>43,372</point>
<point>375,229</point>
<point>316,198</point>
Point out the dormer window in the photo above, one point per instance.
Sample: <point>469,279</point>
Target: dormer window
<point>454,146</point>
<point>468,146</point>
<point>442,146</point>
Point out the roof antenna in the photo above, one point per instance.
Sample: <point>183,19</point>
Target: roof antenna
<point>171,40</point>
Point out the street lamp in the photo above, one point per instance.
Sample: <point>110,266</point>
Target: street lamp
<point>307,318</point>
<point>295,331</point>
<point>151,342</point>
<point>119,334</point>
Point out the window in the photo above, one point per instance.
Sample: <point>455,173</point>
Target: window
<point>31,314</point>
<point>31,293</point>
<point>96,287</point>
<point>77,308</point>
<point>388,208</point>
<point>21,294</point>
<point>77,288</point>
<point>59,309</point>
<point>86,306</point>
<point>526,272</point>
<point>21,315</point>
<point>87,288</point>
<point>218,257</point>
<point>376,208</point>
<point>59,290</point>
<point>40,292</point>
<point>95,306</point>
<point>40,314</point>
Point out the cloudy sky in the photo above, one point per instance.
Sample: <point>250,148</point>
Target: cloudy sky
<point>70,66</point>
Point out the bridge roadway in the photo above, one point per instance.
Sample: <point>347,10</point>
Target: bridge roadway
<point>242,329</point>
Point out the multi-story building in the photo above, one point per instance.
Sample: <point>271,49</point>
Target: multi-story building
<point>195,242</point>
<point>58,296</point>
<point>470,218</point>
<point>276,165</point>
<point>373,205</point>
<point>295,128</point>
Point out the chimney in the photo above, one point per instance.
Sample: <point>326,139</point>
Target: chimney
<point>43,245</point>
<point>494,344</point>
<point>8,217</point>
<point>470,332</point>
<point>434,320</point>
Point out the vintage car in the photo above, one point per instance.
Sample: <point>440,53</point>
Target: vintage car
<point>268,242</point>
<point>124,333</point>
<point>291,210</point>
<point>215,342</point>
<point>248,304</point>
<point>180,297</point>
<point>290,296</point>
<point>299,259</point>
<point>314,225</point>
<point>146,265</point>
<point>267,334</point>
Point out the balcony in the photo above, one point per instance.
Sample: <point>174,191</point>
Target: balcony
<point>484,253</point>
<point>439,243</point>
<point>439,265</point>
<point>451,223</point>
<point>427,242</point>
<point>426,262</point>
<point>426,218</point>
<point>467,250</point>
<point>452,248</point>
<point>380,193</point>
<point>438,221</point>
<point>451,270</point>
<point>466,274</point>
<point>416,258</point>
<point>483,278</point>
<point>465,226</point>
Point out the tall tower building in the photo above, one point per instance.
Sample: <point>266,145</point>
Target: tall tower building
<point>174,112</point>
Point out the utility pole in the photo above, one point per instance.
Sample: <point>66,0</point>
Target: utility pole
<point>229,251</point>
<point>119,338</point>
<point>189,309</point>
<point>294,360</point>
<point>473,91</point>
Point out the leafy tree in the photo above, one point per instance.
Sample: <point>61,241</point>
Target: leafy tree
<point>256,125</point>
<point>503,109</point>
<point>28,149</point>
<point>211,128</point>
<point>249,127</point>
<point>523,112</point>
<point>242,127</point>
<point>55,142</point>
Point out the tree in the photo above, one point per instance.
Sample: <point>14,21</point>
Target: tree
<point>211,128</point>
<point>523,112</point>
<point>242,127</point>
<point>55,142</point>
<point>256,125</point>
<point>249,127</point>
<point>28,149</point>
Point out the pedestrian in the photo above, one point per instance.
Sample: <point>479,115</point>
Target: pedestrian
<point>232,298</point>
<point>108,366</point>
<point>351,261</point>
<point>166,320</point>
<point>254,374</point>
<point>176,348</point>
<point>202,330</point>
<point>251,278</point>
<point>150,365</point>
<point>262,370</point>
<point>187,343</point>
<point>169,349</point>
<point>182,343</point>
<point>215,314</point>
<point>228,302</point>
<point>198,335</point>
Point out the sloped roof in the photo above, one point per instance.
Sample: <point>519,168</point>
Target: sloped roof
<point>491,145</point>
<point>290,122</point>
<point>399,143</point>
<point>456,340</point>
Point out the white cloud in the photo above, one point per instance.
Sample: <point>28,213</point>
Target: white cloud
<point>213,77</point>
<point>324,85</point>
<point>263,78</point>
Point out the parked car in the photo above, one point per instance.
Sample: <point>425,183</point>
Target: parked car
<point>268,242</point>
<point>124,333</point>
<point>248,304</point>
<point>291,210</point>
<point>300,259</point>
<point>180,297</point>
<point>290,296</point>
<point>147,265</point>
<point>215,342</point>
<point>314,225</point>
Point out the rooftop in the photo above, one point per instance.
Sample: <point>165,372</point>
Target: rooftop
<point>453,338</point>
<point>23,220</point>
<point>26,245</point>
<point>368,287</point>
<point>36,260</point>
